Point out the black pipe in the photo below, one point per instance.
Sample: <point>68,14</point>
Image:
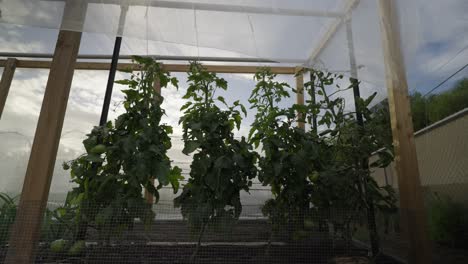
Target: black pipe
<point>371,223</point>
<point>83,224</point>
<point>357,97</point>
<point>110,81</point>
<point>313,101</point>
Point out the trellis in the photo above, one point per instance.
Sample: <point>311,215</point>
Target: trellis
<point>25,232</point>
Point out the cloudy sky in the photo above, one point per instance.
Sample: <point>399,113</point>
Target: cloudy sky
<point>434,35</point>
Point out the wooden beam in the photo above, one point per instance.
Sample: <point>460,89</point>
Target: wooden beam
<point>82,65</point>
<point>244,9</point>
<point>25,232</point>
<point>300,93</point>
<point>5,83</point>
<point>148,196</point>
<point>332,30</point>
<point>406,163</point>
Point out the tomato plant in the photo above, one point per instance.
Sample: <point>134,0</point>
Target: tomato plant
<point>7,216</point>
<point>123,157</point>
<point>289,154</point>
<point>317,174</point>
<point>345,190</point>
<point>222,166</point>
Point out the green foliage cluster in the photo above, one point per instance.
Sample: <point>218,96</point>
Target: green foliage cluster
<point>124,157</point>
<point>427,110</point>
<point>222,166</point>
<point>446,103</point>
<point>7,216</point>
<point>56,226</point>
<point>448,221</point>
<point>289,152</point>
<point>317,176</point>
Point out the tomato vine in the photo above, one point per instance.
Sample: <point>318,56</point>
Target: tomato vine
<point>123,157</point>
<point>318,173</point>
<point>222,165</point>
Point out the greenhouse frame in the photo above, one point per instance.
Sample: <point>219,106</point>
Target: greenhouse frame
<point>335,22</point>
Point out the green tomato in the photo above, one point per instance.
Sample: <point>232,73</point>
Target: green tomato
<point>308,224</point>
<point>58,245</point>
<point>98,149</point>
<point>300,234</point>
<point>314,176</point>
<point>77,248</point>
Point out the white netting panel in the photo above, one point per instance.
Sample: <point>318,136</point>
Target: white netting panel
<point>433,33</point>
<point>247,28</point>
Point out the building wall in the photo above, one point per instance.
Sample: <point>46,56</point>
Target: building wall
<point>442,150</point>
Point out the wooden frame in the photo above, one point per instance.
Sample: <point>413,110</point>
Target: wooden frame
<point>5,83</point>
<point>333,29</point>
<point>25,231</point>
<point>412,208</point>
<point>300,93</point>
<point>222,8</point>
<point>81,65</point>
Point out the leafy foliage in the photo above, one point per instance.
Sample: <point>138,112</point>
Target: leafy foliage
<point>426,110</point>
<point>448,221</point>
<point>222,166</point>
<point>345,189</point>
<point>124,157</point>
<point>7,216</point>
<point>439,106</point>
<point>59,223</point>
<point>289,152</point>
<point>317,175</point>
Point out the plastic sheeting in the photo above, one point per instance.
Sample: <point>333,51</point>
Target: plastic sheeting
<point>319,33</point>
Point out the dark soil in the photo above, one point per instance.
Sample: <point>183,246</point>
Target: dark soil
<point>170,242</point>
<point>292,254</point>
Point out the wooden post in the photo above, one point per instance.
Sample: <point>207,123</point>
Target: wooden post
<point>411,196</point>
<point>26,229</point>
<point>5,83</point>
<point>148,196</point>
<point>300,93</point>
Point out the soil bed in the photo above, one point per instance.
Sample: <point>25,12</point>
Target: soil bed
<point>170,242</point>
<point>211,254</point>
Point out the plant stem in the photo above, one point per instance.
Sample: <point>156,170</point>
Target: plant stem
<point>199,242</point>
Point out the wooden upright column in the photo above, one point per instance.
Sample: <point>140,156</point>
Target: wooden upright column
<point>300,93</point>
<point>406,162</point>
<point>5,83</point>
<point>148,196</point>
<point>26,229</point>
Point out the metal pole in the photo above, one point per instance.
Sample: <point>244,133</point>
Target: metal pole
<point>110,81</point>
<point>113,67</point>
<point>371,223</point>
<point>313,101</point>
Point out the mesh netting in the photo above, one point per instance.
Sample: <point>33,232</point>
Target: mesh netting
<point>170,239</point>
<point>313,33</point>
